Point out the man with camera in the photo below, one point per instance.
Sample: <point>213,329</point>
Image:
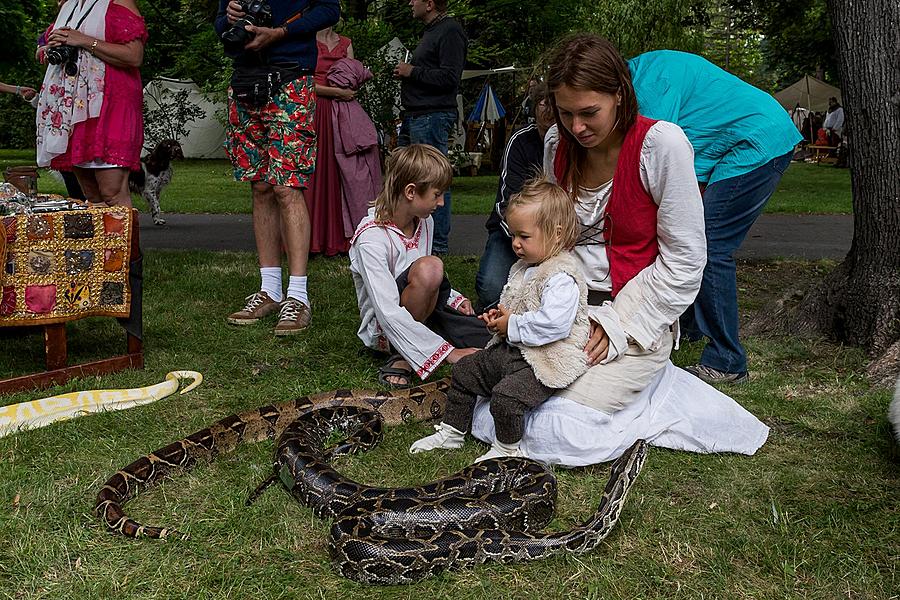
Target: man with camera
<point>271,141</point>
<point>428,88</point>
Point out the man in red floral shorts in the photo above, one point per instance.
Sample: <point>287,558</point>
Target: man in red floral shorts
<point>273,146</point>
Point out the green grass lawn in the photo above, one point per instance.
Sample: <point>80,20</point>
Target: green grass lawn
<point>207,186</point>
<point>813,515</point>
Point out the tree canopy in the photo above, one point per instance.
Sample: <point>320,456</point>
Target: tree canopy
<point>766,42</point>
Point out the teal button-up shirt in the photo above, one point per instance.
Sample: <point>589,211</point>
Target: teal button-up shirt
<point>733,126</point>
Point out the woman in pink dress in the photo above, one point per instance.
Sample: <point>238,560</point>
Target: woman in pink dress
<point>324,198</point>
<point>89,116</point>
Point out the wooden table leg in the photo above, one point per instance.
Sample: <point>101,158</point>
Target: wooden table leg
<point>55,346</point>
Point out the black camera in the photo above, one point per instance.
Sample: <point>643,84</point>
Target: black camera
<point>256,12</point>
<point>64,55</point>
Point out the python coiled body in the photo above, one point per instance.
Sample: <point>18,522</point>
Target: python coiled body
<point>267,422</point>
<point>490,511</point>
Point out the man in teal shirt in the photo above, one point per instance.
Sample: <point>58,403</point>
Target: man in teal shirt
<point>743,142</point>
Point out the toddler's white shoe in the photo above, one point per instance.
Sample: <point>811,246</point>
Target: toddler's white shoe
<point>447,437</point>
<point>501,450</point>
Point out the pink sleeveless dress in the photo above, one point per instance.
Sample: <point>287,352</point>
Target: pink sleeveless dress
<point>116,136</point>
<point>324,198</point>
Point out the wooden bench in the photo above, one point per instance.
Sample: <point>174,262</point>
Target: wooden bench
<point>821,153</point>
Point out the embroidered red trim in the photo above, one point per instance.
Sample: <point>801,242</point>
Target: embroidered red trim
<point>434,360</point>
<point>410,243</point>
<point>459,300</point>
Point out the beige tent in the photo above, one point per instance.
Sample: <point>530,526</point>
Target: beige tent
<point>809,92</point>
<point>206,135</point>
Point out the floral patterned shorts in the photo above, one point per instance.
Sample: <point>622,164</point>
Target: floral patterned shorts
<point>275,143</point>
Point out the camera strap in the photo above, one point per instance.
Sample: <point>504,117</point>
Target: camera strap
<point>83,17</point>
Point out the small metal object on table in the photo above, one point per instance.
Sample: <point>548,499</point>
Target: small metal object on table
<point>58,269</point>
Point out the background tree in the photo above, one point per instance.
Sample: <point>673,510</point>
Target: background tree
<point>22,23</point>
<point>859,302</point>
<point>797,37</point>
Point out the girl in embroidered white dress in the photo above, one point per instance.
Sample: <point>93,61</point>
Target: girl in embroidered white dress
<point>540,327</point>
<point>405,300</point>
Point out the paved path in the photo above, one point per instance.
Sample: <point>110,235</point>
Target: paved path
<point>773,236</point>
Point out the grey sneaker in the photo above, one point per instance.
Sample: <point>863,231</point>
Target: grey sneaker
<point>258,305</point>
<point>293,318</point>
<point>712,376</point>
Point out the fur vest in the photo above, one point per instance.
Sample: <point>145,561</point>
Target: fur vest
<point>558,363</point>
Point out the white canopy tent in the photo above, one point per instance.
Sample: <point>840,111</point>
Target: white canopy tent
<point>205,134</point>
<point>809,93</point>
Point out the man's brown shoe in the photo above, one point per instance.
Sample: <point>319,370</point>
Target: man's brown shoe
<point>258,305</point>
<point>293,318</point>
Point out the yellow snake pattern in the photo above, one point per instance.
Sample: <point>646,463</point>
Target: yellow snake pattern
<point>37,413</point>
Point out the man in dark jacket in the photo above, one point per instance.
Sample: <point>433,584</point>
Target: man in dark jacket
<point>428,88</point>
<point>272,144</point>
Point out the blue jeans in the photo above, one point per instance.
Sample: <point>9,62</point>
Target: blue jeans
<point>730,208</point>
<point>432,129</point>
<point>493,270</point>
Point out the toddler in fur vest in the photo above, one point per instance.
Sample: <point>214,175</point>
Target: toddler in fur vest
<point>540,327</point>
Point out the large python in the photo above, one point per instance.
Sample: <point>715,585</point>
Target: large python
<point>488,511</point>
<point>267,422</point>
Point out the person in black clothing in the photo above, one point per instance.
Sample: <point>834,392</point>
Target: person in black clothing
<point>522,160</point>
<point>428,89</point>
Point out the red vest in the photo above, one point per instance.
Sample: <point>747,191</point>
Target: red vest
<point>630,230</point>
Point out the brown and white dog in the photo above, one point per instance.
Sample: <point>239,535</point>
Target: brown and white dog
<point>155,174</point>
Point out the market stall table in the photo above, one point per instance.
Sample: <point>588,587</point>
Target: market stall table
<point>57,267</point>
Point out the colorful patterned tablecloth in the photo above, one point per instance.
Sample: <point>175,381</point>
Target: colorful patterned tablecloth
<point>61,266</point>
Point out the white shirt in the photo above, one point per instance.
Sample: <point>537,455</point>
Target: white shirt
<point>654,299</point>
<point>379,253</point>
<point>590,208</point>
<point>835,120</point>
<point>553,320</point>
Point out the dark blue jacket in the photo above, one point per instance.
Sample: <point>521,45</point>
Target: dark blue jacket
<point>299,46</point>
<point>522,160</point>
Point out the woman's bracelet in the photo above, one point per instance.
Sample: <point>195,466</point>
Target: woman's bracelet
<point>18,90</point>
<point>94,46</point>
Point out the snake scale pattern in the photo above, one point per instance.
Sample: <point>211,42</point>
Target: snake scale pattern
<point>490,511</point>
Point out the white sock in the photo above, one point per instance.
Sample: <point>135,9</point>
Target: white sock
<point>297,288</point>
<point>500,450</point>
<point>271,282</point>
<point>447,436</point>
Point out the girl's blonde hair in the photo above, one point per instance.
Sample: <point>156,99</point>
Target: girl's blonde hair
<point>422,165</point>
<point>554,213</point>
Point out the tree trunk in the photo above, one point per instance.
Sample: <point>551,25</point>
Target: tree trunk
<point>859,302</point>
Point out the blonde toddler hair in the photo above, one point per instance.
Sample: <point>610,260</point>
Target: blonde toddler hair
<point>554,214</point>
<point>419,164</point>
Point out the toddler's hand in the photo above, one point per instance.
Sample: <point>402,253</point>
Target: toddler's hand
<point>499,323</point>
<point>488,315</point>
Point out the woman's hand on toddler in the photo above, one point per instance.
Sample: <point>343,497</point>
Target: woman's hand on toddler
<point>597,346</point>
